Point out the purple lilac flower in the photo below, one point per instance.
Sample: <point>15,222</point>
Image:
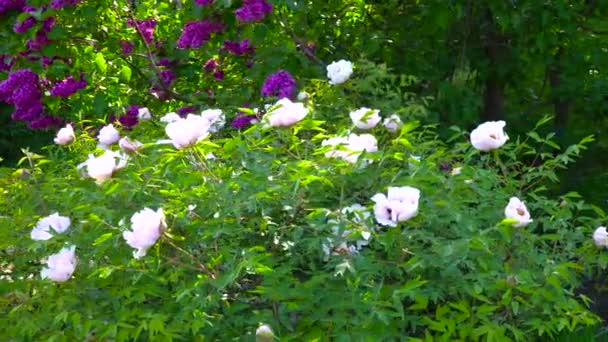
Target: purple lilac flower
<point>146,27</point>
<point>58,4</point>
<point>129,120</point>
<point>45,122</point>
<point>126,47</point>
<point>186,110</point>
<point>203,2</point>
<point>41,39</point>
<point>280,84</point>
<point>253,10</point>
<point>164,62</point>
<point>68,86</point>
<point>239,48</point>
<point>21,89</point>
<point>6,62</point>
<point>167,76</point>
<point>243,120</point>
<point>11,5</point>
<point>210,65</point>
<point>23,26</point>
<point>48,24</point>
<point>218,75</point>
<point>196,33</point>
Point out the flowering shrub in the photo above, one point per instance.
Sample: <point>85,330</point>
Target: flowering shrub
<point>291,222</point>
<point>264,231</point>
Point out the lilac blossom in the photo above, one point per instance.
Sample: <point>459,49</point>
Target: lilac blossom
<point>186,110</point>
<point>280,84</point>
<point>167,76</point>
<point>196,33</point>
<point>11,5</point>
<point>21,89</point>
<point>68,86</point>
<point>130,118</point>
<point>239,48</point>
<point>6,62</point>
<point>210,65</point>
<point>253,10</point>
<point>126,47</point>
<point>145,27</point>
<point>58,4</point>
<point>203,2</point>
<point>25,25</point>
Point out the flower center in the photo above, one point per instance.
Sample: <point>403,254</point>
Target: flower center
<point>493,136</point>
<point>520,212</point>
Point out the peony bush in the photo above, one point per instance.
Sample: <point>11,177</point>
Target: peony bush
<point>217,233</point>
<point>209,192</point>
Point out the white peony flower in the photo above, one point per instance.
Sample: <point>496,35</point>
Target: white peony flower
<point>170,117</point>
<point>489,136</point>
<point>186,132</point>
<point>144,114</point>
<point>516,209</point>
<point>264,334</point>
<point>215,118</point>
<point>60,266</point>
<point>600,237</point>
<point>146,227</point>
<point>42,229</point>
<point>338,72</point>
<point>350,148</point>
<point>101,168</point>
<point>108,135</point>
<point>393,123</point>
<point>65,135</point>
<point>129,146</point>
<point>400,204</point>
<point>365,118</point>
<point>286,113</point>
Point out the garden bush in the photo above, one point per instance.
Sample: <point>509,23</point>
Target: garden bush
<point>308,205</point>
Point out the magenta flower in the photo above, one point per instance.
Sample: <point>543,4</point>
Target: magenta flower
<point>280,84</point>
<point>146,27</point>
<point>68,86</point>
<point>196,33</point>
<point>239,48</point>
<point>253,10</point>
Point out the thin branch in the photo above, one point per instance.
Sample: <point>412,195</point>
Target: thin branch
<point>200,266</point>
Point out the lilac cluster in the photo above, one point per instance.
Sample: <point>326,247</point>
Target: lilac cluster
<point>45,122</point>
<point>6,62</point>
<point>186,110</point>
<point>41,39</point>
<point>167,77</point>
<point>196,33</point>
<point>253,10</point>
<point>25,25</point>
<point>241,48</point>
<point>212,66</point>
<point>126,47</point>
<point>146,27</point>
<point>58,4</point>
<point>11,5</point>
<point>21,89</point>
<point>243,120</point>
<point>203,2</point>
<point>130,119</point>
<point>68,86</point>
<point>280,84</point>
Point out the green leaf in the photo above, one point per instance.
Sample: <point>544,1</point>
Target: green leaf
<point>125,73</point>
<point>100,63</point>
